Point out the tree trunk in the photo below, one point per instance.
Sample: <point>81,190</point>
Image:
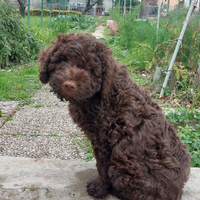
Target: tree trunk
<point>88,6</point>
<point>22,7</point>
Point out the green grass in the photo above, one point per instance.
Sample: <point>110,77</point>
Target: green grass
<point>35,21</point>
<point>19,82</point>
<point>44,34</point>
<point>102,19</point>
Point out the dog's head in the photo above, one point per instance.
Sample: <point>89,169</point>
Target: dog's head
<point>77,67</point>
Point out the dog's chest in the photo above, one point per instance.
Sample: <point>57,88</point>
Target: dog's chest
<point>92,118</point>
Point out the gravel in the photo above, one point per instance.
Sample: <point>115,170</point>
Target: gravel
<point>43,129</point>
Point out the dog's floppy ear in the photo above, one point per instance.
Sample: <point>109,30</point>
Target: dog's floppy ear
<point>109,67</point>
<point>51,56</point>
<point>44,59</point>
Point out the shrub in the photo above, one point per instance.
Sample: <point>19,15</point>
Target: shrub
<point>55,13</point>
<point>17,44</point>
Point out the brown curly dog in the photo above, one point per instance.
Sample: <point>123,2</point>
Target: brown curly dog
<point>138,153</point>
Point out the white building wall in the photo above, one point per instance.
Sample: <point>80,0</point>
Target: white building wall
<point>77,1</point>
<point>186,3</point>
<point>108,4</point>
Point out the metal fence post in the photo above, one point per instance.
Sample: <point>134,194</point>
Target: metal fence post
<point>168,6</point>
<point>124,7</point>
<point>158,20</point>
<point>147,11</point>
<point>190,11</point>
<point>59,6</point>
<point>41,13</point>
<point>28,14</point>
<point>63,6</point>
<point>50,11</point>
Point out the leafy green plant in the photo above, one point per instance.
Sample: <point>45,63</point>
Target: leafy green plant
<point>17,43</point>
<point>63,23</point>
<point>191,137</point>
<point>167,91</point>
<point>186,116</point>
<point>187,122</point>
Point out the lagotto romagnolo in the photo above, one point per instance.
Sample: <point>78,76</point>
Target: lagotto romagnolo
<point>138,153</point>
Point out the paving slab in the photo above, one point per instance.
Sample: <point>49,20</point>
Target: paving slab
<point>26,178</point>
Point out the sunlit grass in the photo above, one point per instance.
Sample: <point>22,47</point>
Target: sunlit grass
<point>19,82</point>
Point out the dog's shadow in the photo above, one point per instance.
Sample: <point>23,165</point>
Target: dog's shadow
<point>79,189</point>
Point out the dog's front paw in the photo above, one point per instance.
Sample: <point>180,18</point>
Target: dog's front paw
<point>97,188</point>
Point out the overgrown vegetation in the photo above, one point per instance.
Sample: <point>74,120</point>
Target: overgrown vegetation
<point>138,46</point>
<point>17,43</point>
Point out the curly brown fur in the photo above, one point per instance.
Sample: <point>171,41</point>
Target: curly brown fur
<point>139,155</point>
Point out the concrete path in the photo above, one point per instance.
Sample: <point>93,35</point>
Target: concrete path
<point>99,32</point>
<point>25,178</point>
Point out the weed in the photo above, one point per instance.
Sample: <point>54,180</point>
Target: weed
<point>54,134</point>
<point>191,137</point>
<point>18,134</point>
<point>167,91</point>
<point>187,122</point>
<point>34,135</point>
<point>84,143</point>
<point>38,106</point>
<point>8,118</point>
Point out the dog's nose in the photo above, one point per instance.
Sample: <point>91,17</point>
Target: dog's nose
<point>69,85</point>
